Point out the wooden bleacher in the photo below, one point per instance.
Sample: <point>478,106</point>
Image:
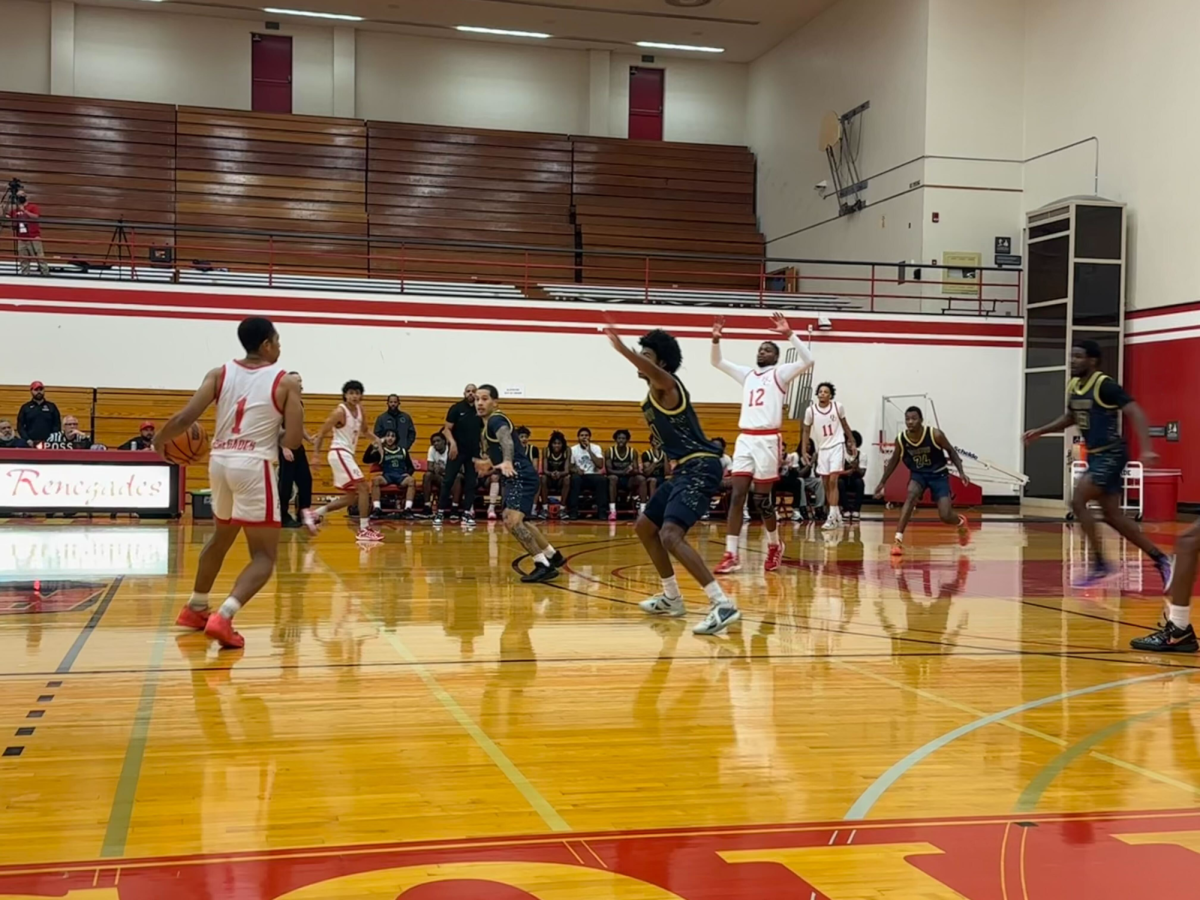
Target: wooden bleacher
<point>458,184</point>
<point>651,196</point>
<point>270,172</point>
<point>119,411</point>
<point>89,159</point>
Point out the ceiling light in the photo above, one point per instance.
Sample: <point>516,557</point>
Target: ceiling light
<point>656,46</point>
<point>313,15</point>
<point>474,29</point>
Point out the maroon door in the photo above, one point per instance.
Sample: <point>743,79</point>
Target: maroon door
<point>271,73</point>
<point>645,103</point>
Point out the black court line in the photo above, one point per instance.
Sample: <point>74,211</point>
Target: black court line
<point>81,640</point>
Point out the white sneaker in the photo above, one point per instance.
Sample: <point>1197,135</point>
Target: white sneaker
<point>795,515</point>
<point>831,524</point>
<point>720,616</point>
<point>369,535</point>
<point>310,520</point>
<point>662,605</point>
<point>745,514</point>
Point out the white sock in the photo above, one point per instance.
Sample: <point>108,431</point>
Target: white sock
<point>772,538</point>
<point>899,538</point>
<point>493,492</point>
<point>671,588</point>
<point>716,596</point>
<point>731,544</point>
<point>408,504</point>
<point>199,602</point>
<point>549,551</point>
<point>612,507</point>
<point>1179,615</point>
<point>540,559</point>
<point>321,512</point>
<point>230,608</point>
<point>364,524</point>
<point>375,504</point>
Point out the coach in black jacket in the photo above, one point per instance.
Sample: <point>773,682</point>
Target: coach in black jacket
<point>39,418</point>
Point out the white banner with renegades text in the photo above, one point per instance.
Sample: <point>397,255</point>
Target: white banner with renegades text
<point>48,485</point>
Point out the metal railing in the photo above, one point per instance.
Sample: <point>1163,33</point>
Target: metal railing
<point>108,250</point>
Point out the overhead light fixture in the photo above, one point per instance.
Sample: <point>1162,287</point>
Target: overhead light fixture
<point>311,15</point>
<point>654,45</point>
<point>475,29</point>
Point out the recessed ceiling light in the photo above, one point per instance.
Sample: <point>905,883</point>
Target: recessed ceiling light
<point>475,29</point>
<point>313,15</point>
<point>657,46</point>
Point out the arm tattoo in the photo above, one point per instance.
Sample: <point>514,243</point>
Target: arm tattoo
<point>523,534</point>
<point>504,438</point>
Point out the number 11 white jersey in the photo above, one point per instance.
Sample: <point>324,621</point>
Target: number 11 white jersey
<point>825,425</point>
<point>248,414</point>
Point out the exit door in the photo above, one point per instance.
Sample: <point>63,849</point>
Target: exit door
<point>271,73</point>
<point>645,103</point>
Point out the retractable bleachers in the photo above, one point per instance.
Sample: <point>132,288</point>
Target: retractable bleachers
<point>429,184</point>
<point>260,171</point>
<point>655,197</point>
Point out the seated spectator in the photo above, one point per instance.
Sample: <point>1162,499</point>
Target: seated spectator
<point>556,469</point>
<point>431,482</point>
<point>654,465</point>
<point>69,438</point>
<point>806,487</point>
<point>8,437</point>
<point>587,474</point>
<point>850,483</point>
<point>722,498</point>
<point>624,472</point>
<point>396,468</point>
<point>143,440</point>
<point>539,501</point>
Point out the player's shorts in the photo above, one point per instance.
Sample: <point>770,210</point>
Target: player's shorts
<point>1106,468</point>
<point>520,491</point>
<point>396,478</point>
<point>831,460</point>
<point>346,474</point>
<point>758,456</point>
<point>688,494</point>
<point>937,483</point>
<point>243,492</point>
<point>624,480</point>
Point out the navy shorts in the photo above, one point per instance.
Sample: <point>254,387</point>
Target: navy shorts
<point>1106,469</point>
<point>520,491</point>
<point>396,478</point>
<point>937,483</point>
<point>688,494</point>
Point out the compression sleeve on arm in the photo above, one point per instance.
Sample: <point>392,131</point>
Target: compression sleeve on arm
<point>786,372</point>
<point>737,373</point>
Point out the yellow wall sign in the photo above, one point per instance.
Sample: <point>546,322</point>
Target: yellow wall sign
<point>961,273</point>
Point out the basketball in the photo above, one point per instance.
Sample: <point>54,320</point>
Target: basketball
<point>189,448</point>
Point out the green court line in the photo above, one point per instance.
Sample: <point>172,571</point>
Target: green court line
<point>540,804</point>
<point>1032,795</point>
<point>121,813</point>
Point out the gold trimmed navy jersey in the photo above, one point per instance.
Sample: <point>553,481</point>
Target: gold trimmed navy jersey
<point>678,429</point>
<point>492,444</point>
<point>618,463</point>
<point>923,456</point>
<point>1094,404</point>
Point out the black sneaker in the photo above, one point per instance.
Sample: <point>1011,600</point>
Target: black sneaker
<point>437,518</point>
<point>468,518</point>
<point>455,517</point>
<point>557,561</point>
<point>540,573</point>
<point>1168,639</point>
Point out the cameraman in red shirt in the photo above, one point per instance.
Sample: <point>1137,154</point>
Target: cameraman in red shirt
<point>26,230</point>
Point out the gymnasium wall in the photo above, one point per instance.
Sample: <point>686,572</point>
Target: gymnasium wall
<point>151,337</point>
<point>154,55</point>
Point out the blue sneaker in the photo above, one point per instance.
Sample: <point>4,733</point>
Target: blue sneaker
<point>1166,569</point>
<point>720,616</point>
<point>1095,575</point>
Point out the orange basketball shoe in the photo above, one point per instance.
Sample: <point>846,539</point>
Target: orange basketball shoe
<point>221,629</point>
<point>729,564</point>
<point>774,557</point>
<point>192,618</point>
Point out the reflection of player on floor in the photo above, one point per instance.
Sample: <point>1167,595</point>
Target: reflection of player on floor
<point>253,395</point>
<point>1093,402</point>
<point>679,503</point>
<point>826,421</point>
<point>518,483</point>
<point>345,424</point>
<point>757,453</point>
<point>924,451</point>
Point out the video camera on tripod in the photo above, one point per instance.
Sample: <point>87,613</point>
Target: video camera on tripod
<point>11,190</point>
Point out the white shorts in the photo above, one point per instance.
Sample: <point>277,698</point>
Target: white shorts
<point>757,455</point>
<point>831,460</point>
<point>346,473</point>
<point>243,492</point>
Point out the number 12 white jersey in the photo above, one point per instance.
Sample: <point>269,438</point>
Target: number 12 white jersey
<point>248,413</point>
<point>825,425</point>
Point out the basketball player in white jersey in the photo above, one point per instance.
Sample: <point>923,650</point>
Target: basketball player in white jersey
<point>826,421</point>
<point>758,452</point>
<point>344,426</point>
<point>253,396</point>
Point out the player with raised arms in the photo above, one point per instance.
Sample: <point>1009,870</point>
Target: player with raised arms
<point>678,504</point>
<point>758,453</point>
<point>254,395</point>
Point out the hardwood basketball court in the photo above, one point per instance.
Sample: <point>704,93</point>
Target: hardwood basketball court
<point>410,716</point>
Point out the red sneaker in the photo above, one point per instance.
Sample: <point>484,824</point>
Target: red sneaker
<point>221,629</point>
<point>190,618</point>
<point>369,535</point>
<point>964,536</point>
<point>729,564</point>
<point>774,557</point>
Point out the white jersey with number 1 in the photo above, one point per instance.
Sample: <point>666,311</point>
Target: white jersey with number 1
<point>245,446</point>
<point>346,473</point>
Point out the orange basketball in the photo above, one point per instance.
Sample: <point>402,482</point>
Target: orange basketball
<point>189,448</point>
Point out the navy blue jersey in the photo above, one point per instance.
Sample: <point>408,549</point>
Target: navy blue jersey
<point>924,456</point>
<point>654,464</point>
<point>678,429</point>
<point>495,422</point>
<point>1094,404</point>
<point>620,462</point>
<point>394,461</point>
<point>559,464</point>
